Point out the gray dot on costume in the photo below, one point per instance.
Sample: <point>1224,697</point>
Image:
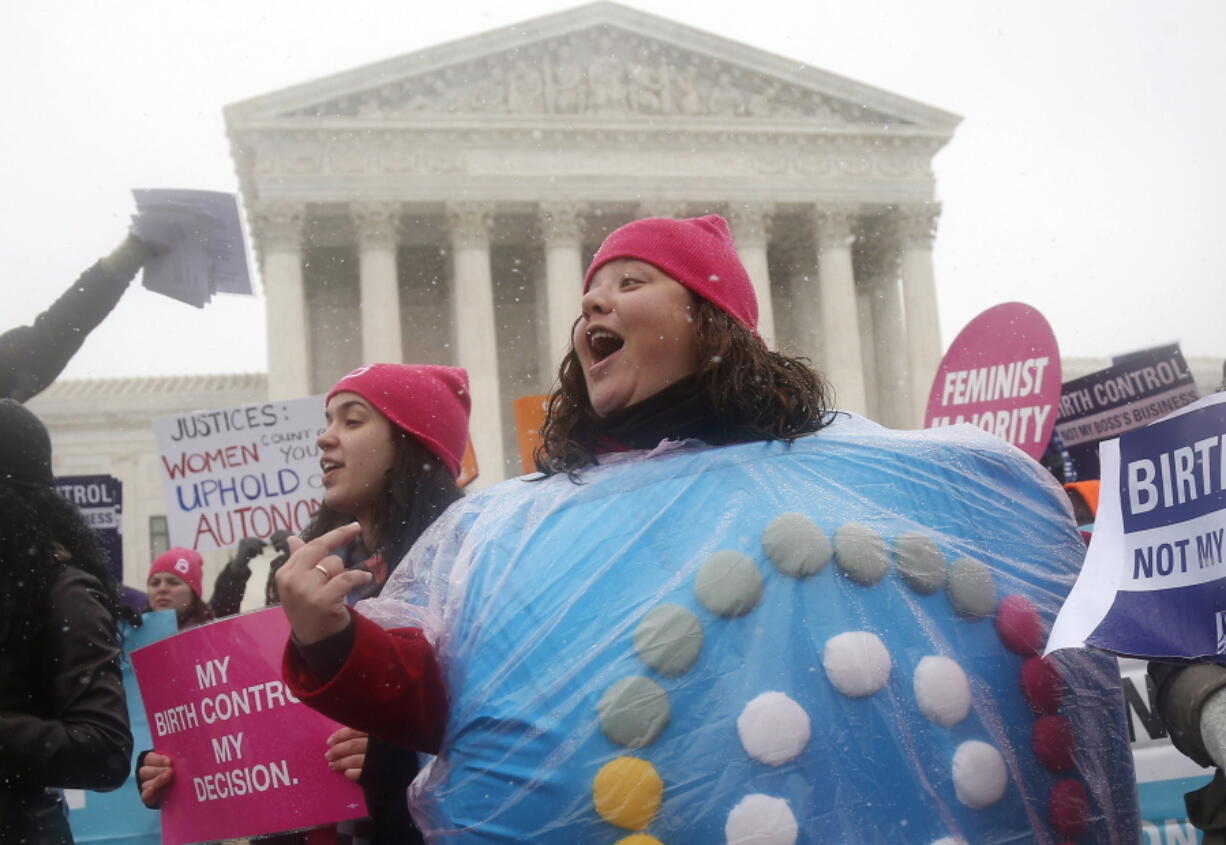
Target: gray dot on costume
<point>970,587</point>
<point>795,545</point>
<point>920,563</point>
<point>633,711</point>
<point>860,553</point>
<point>729,584</point>
<point>669,639</point>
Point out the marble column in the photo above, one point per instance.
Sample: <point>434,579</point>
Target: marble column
<point>917,229</point>
<point>840,319</point>
<point>561,225</point>
<point>280,233</point>
<point>750,223</point>
<point>377,224</point>
<point>476,330</point>
<point>893,382</point>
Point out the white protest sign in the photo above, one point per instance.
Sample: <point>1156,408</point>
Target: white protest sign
<point>240,472</point>
<point>1154,580</point>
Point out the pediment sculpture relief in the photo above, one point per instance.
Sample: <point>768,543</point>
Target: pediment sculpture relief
<point>600,72</point>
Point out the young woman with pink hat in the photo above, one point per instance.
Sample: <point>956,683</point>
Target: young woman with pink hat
<point>390,455</point>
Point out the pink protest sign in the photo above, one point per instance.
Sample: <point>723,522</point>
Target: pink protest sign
<point>1001,373</point>
<point>248,756</point>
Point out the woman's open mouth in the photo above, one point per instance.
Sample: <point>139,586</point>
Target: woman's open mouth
<point>603,344</point>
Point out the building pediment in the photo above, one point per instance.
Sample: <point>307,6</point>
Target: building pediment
<point>592,64</point>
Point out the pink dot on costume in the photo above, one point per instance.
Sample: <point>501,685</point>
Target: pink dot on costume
<point>1069,808</point>
<point>1042,685</point>
<point>1019,625</point>
<point>1053,743</point>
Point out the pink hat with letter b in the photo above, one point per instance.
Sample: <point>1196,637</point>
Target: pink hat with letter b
<point>186,564</point>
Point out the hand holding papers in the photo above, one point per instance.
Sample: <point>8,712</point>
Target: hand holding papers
<point>203,241</point>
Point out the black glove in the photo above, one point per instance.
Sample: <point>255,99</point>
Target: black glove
<point>248,547</point>
<point>278,539</point>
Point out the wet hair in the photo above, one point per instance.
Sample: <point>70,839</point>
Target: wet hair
<point>756,394</point>
<point>418,488</point>
<point>41,533</point>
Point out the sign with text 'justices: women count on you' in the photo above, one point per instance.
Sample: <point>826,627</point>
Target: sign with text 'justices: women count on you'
<point>1001,373</point>
<point>248,756</point>
<point>247,471</point>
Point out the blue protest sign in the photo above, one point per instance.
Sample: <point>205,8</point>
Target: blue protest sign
<point>119,816</point>
<point>1137,389</point>
<point>1152,584</point>
<point>100,499</point>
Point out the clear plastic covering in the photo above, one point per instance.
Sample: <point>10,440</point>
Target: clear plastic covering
<point>833,641</point>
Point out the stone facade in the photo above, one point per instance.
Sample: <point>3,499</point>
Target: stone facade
<point>440,207</point>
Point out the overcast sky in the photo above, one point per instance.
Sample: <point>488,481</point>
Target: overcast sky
<point>1088,177</point>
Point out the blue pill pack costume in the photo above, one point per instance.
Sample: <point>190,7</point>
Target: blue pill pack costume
<point>640,653</point>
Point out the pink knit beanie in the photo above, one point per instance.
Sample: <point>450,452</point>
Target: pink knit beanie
<point>182,563</point>
<point>697,252</point>
<point>429,402</point>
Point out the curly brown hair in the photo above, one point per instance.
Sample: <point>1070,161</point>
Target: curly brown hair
<point>756,394</point>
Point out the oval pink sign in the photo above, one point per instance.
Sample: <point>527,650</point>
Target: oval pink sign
<point>1001,373</point>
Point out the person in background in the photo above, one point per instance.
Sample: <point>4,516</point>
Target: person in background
<point>1191,701</point>
<point>391,451</point>
<point>176,580</point>
<point>63,715</point>
<point>33,356</point>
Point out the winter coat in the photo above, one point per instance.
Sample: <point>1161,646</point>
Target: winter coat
<point>63,716</point>
<point>33,356</point>
<point>1181,692</point>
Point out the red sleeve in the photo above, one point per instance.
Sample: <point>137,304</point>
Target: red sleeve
<point>389,686</point>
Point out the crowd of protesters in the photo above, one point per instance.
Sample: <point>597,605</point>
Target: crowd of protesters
<point>665,355</point>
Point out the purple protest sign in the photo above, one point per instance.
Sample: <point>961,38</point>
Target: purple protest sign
<point>1001,373</point>
<point>248,756</point>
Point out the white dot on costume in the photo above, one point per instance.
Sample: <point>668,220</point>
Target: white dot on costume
<point>857,663</point>
<point>942,690</point>
<point>773,728</point>
<point>980,776</point>
<point>761,820</point>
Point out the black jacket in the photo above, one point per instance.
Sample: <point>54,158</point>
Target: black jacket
<point>31,357</point>
<point>63,716</point>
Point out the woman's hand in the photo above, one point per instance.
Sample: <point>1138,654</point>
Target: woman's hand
<point>154,775</point>
<point>347,752</point>
<point>313,584</point>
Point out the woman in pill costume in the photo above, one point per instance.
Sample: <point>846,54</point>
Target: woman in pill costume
<point>724,613</point>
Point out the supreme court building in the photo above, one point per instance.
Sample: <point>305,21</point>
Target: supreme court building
<point>440,207</point>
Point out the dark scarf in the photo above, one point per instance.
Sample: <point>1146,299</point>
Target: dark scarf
<point>677,412</point>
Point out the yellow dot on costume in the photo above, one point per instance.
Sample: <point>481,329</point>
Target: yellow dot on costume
<point>639,839</point>
<point>627,792</point>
